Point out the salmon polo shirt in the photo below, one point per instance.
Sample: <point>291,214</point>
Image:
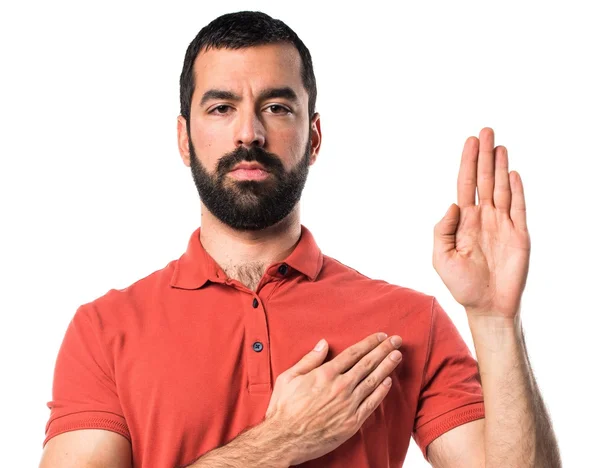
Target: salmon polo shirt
<point>185,359</point>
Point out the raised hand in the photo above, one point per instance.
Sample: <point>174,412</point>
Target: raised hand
<point>317,406</point>
<point>481,251</point>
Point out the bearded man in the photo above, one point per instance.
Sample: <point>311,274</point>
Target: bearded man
<point>256,349</point>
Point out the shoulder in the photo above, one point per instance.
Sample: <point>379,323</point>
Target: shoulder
<point>348,280</point>
<point>117,306</point>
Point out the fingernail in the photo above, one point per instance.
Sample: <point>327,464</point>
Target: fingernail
<point>320,345</point>
<point>395,356</point>
<point>396,341</point>
<point>387,382</point>
<point>381,336</point>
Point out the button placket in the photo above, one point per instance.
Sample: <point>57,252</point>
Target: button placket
<point>258,355</point>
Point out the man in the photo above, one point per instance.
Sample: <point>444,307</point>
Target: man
<point>208,362</point>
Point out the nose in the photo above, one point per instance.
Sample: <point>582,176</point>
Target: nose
<point>250,130</point>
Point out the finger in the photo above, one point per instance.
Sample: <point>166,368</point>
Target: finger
<point>444,232</point>
<point>367,407</point>
<point>363,368</point>
<point>467,174</point>
<point>354,353</point>
<point>310,361</point>
<point>517,206</point>
<point>374,379</point>
<point>502,195</point>
<point>485,167</point>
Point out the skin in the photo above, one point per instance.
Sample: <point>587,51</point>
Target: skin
<point>481,252</point>
<point>249,121</point>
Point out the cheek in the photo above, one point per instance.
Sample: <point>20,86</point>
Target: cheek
<point>290,146</point>
<point>207,137</point>
<point>210,143</point>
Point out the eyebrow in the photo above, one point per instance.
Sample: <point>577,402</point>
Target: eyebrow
<point>270,93</point>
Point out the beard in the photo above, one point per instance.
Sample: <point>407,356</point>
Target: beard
<point>250,205</point>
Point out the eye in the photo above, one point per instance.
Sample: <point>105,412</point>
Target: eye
<point>221,110</point>
<point>278,109</point>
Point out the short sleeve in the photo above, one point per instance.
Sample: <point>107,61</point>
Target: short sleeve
<point>84,394</point>
<point>451,393</point>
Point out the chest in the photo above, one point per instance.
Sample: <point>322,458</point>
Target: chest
<point>198,373</point>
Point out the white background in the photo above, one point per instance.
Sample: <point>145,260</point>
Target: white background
<point>94,195</point>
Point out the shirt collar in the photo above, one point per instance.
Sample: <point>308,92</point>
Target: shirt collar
<point>196,267</point>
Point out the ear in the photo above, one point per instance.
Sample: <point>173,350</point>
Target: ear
<point>183,140</point>
<point>315,136</point>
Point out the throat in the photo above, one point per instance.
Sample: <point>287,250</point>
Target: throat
<point>248,274</point>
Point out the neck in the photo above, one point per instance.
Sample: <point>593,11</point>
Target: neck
<point>237,251</point>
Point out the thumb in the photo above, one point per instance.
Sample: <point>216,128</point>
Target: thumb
<point>444,233</point>
<point>310,361</point>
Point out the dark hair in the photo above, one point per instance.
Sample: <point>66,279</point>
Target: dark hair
<point>237,31</point>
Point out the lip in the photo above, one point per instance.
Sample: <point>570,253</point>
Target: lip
<point>249,167</point>
<point>249,172</point>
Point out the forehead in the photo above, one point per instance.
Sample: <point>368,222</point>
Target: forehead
<point>253,68</point>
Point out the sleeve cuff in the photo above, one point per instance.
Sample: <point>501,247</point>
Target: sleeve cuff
<point>87,420</point>
<point>431,430</point>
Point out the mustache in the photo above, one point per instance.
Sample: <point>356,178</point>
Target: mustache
<point>268,160</point>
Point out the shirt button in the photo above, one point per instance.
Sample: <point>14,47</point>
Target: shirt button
<point>255,303</point>
<point>283,269</point>
<point>257,346</point>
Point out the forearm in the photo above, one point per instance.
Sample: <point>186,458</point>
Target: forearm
<point>518,431</point>
<point>261,446</point>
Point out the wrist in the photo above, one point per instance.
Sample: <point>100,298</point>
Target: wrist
<point>260,446</point>
<point>489,322</point>
<point>271,437</point>
<point>496,334</point>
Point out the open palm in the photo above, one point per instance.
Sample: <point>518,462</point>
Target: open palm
<point>481,251</point>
